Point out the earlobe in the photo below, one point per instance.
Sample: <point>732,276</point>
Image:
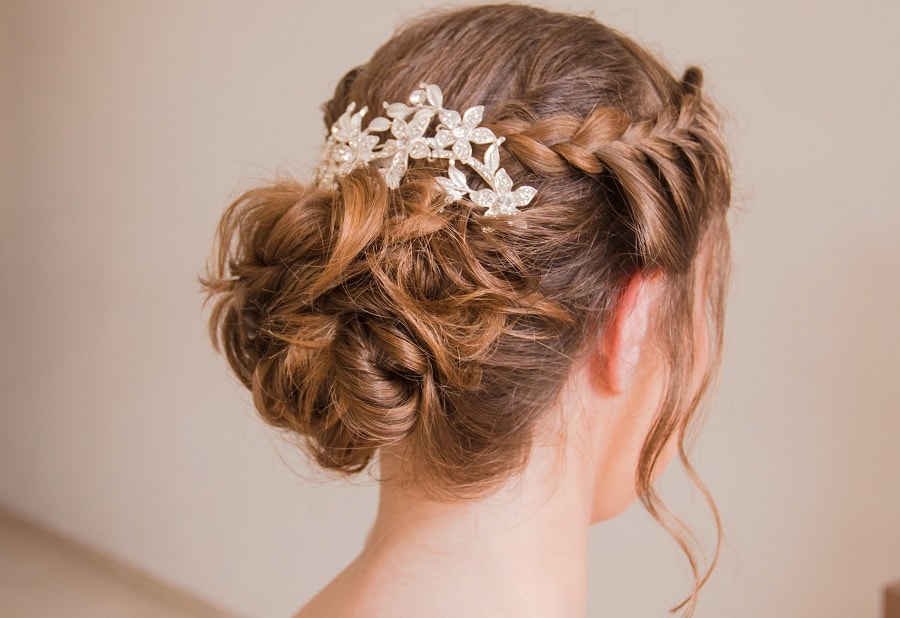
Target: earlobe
<point>624,337</point>
<point>624,390</point>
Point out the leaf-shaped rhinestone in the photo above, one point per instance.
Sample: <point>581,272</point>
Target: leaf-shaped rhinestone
<point>396,110</point>
<point>492,158</point>
<point>455,186</point>
<point>462,150</point>
<point>398,128</point>
<point>523,196</point>
<point>485,198</point>
<point>435,96</point>
<point>418,125</point>
<point>502,182</point>
<point>418,97</point>
<point>481,135</point>
<point>379,124</point>
<point>472,117</point>
<point>419,150</point>
<point>457,177</point>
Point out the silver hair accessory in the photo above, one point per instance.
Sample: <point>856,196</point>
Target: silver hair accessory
<point>349,146</point>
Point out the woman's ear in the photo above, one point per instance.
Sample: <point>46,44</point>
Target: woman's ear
<point>622,342</point>
<point>620,387</point>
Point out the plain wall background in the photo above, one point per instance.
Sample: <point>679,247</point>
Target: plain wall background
<point>126,128</point>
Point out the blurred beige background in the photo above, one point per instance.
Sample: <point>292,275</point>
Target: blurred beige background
<point>127,127</point>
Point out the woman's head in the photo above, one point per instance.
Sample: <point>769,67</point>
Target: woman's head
<point>363,317</point>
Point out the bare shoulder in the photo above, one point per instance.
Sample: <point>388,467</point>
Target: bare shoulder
<point>348,595</point>
<point>331,601</point>
<point>370,593</point>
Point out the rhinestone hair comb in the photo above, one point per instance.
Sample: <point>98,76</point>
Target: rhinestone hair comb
<point>349,146</point>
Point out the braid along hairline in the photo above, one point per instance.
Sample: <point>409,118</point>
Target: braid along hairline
<point>659,164</point>
<point>563,144</point>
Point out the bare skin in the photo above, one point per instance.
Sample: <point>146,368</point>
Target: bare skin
<point>522,551</point>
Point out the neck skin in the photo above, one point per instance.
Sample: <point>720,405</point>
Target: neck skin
<point>522,551</point>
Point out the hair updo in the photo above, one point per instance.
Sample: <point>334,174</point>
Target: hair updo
<point>362,316</point>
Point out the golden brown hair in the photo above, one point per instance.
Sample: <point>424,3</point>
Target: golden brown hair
<point>363,317</point>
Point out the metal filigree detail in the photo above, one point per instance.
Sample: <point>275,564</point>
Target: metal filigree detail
<point>349,146</point>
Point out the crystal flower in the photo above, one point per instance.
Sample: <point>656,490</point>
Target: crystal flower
<point>412,137</point>
<point>459,132</point>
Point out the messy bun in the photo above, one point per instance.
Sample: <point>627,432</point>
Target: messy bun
<point>363,316</point>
